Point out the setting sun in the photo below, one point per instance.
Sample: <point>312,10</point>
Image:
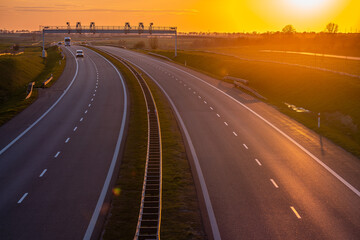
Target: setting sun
<point>308,4</point>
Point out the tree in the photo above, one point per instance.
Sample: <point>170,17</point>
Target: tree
<point>289,29</point>
<point>332,27</point>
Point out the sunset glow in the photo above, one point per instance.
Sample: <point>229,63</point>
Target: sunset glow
<point>188,15</point>
<point>308,4</point>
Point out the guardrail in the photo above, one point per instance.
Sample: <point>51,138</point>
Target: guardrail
<point>161,56</point>
<point>246,82</point>
<point>241,85</point>
<point>47,81</point>
<point>149,221</point>
<point>29,90</point>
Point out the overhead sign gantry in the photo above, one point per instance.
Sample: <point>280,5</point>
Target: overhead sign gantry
<point>126,29</point>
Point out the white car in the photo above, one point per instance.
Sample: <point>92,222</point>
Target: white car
<point>79,53</point>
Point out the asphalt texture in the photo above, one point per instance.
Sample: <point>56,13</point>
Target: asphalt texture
<point>51,178</point>
<point>266,176</point>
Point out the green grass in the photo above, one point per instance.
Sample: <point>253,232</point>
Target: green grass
<point>335,64</point>
<point>17,72</point>
<point>180,211</point>
<point>335,96</point>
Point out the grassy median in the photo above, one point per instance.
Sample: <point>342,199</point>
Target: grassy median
<point>335,96</point>
<point>17,72</point>
<point>180,211</point>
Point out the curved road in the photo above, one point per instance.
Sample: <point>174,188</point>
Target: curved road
<point>55,176</point>
<point>261,175</point>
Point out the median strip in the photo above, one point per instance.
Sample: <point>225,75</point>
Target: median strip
<point>180,212</point>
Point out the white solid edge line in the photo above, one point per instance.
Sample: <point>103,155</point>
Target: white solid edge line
<point>357,192</point>
<point>105,188</point>
<point>205,192</point>
<point>42,116</point>
<point>22,198</point>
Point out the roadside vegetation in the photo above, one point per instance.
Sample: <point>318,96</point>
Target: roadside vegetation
<point>335,96</point>
<point>16,72</point>
<point>180,210</point>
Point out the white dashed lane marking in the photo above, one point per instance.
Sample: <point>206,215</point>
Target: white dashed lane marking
<point>67,140</point>
<point>43,172</point>
<point>274,183</point>
<point>258,162</point>
<point>75,129</point>
<point>235,134</point>
<point>245,146</point>
<point>226,123</point>
<point>295,212</point>
<point>22,198</point>
<point>57,154</point>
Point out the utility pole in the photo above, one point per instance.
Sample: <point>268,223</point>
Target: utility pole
<point>43,45</point>
<point>175,42</point>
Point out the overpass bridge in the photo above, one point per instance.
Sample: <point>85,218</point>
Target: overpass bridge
<point>126,29</point>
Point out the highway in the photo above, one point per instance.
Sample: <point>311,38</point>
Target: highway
<point>57,157</point>
<point>259,174</point>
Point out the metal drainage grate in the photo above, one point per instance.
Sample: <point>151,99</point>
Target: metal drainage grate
<point>148,226</point>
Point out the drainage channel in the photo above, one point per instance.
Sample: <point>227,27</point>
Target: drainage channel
<point>148,226</point>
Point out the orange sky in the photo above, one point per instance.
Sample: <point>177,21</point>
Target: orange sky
<point>187,15</point>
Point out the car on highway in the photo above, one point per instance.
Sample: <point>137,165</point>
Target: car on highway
<point>79,53</point>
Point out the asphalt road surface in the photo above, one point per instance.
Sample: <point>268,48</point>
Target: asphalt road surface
<point>261,175</point>
<point>57,156</point>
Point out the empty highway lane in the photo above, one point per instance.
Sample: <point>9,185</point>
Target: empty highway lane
<point>261,175</point>
<point>57,156</point>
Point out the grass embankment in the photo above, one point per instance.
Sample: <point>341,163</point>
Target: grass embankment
<point>180,211</point>
<point>335,96</point>
<point>319,61</point>
<point>17,72</point>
